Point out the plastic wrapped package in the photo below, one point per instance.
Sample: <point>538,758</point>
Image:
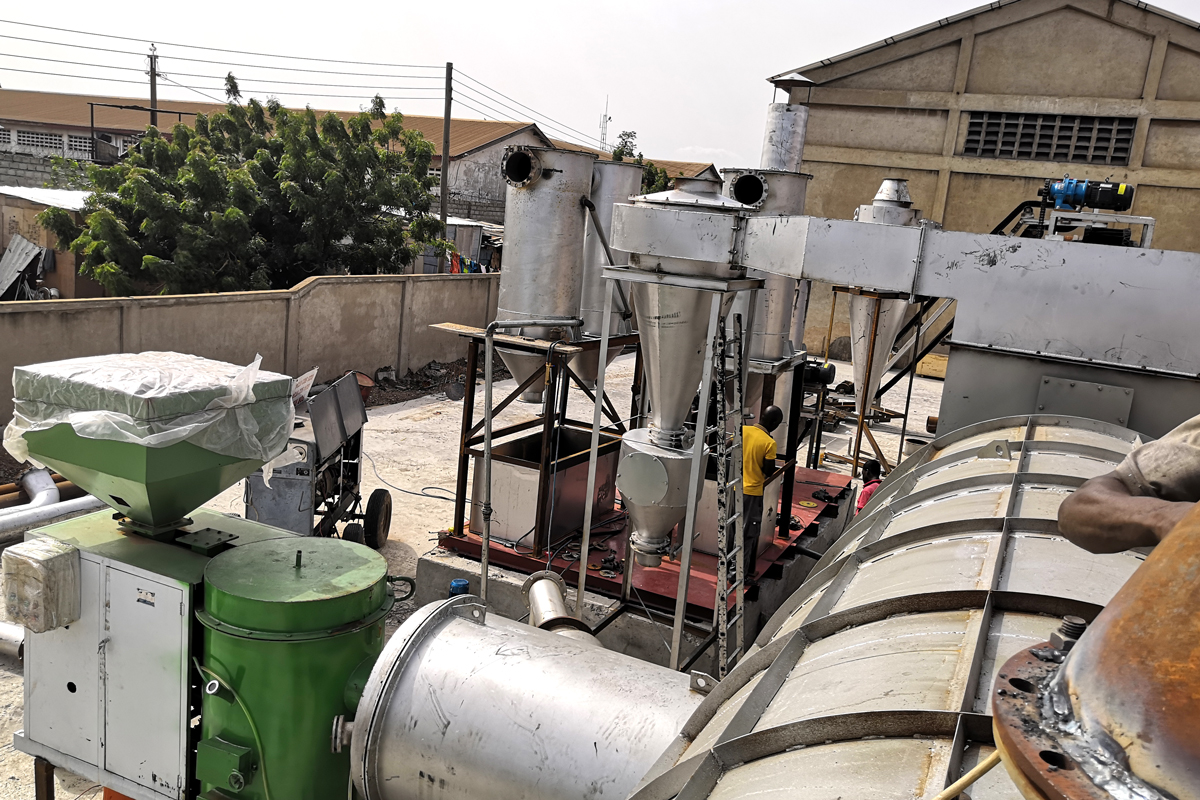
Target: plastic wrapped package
<point>41,584</point>
<point>155,399</point>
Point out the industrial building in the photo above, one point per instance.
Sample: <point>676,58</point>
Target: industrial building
<point>953,108</point>
<point>221,581</point>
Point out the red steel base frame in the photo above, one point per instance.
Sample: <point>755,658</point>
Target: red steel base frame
<point>656,586</point>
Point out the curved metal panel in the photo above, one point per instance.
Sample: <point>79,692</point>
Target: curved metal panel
<point>955,566</point>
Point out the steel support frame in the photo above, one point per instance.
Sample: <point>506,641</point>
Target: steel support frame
<point>718,288</point>
<point>555,376</point>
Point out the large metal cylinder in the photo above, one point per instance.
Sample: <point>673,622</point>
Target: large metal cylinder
<point>875,678</point>
<point>783,139</point>
<point>612,182</point>
<point>543,253</point>
<point>291,627</point>
<point>465,705</point>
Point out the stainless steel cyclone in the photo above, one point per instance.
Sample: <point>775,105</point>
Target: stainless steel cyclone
<point>892,206</point>
<point>463,704</point>
<point>543,253</point>
<point>612,182</point>
<point>673,323</point>
<point>875,678</point>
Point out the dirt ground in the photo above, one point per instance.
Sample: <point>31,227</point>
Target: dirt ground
<point>411,445</point>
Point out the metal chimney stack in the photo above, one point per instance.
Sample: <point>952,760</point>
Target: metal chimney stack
<point>612,182</point>
<point>892,206</point>
<point>777,188</point>
<point>543,257</point>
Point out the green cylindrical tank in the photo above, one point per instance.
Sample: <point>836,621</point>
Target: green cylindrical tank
<point>292,627</point>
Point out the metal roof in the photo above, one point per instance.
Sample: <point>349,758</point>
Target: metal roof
<point>69,199</point>
<point>874,679</point>
<point>17,256</point>
<point>791,75</point>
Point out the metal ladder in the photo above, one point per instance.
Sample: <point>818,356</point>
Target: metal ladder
<point>729,492</point>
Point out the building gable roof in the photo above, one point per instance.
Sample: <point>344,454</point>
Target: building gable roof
<point>801,75</point>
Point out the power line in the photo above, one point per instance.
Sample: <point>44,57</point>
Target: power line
<point>223,50</point>
<point>210,88</point>
<point>527,108</point>
<point>462,102</point>
<point>73,63</point>
<point>271,81</point>
<point>225,64</point>
<point>553,129</point>
<point>190,88</point>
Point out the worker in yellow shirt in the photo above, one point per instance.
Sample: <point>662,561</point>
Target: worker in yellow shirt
<point>758,461</point>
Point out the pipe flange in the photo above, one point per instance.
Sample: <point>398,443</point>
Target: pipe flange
<point>538,576</point>
<point>521,167</point>
<point>1036,748</point>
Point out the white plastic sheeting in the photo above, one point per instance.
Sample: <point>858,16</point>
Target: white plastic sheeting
<point>155,399</point>
<point>41,584</point>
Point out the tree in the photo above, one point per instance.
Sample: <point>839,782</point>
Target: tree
<point>626,145</point>
<point>653,178</point>
<point>257,197</point>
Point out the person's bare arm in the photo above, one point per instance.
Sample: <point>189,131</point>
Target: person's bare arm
<point>1103,516</point>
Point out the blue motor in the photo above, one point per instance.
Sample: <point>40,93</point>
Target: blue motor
<point>1071,194</point>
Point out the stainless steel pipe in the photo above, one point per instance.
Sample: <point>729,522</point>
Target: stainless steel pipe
<point>464,705</point>
<point>546,598</point>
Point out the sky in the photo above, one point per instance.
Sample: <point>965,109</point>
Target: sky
<point>688,77</point>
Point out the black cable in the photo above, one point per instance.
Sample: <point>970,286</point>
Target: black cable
<point>221,49</point>
<point>223,64</point>
<point>424,491</point>
<point>189,88</point>
<point>197,89</point>
<point>474,95</point>
<point>506,97</point>
<point>77,63</point>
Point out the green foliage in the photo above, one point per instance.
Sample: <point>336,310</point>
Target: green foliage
<point>626,146</point>
<point>67,173</point>
<point>257,197</point>
<point>655,179</point>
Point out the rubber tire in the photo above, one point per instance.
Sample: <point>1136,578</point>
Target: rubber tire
<point>377,522</point>
<point>353,533</point>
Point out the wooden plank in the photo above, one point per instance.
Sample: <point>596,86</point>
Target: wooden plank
<point>508,340</point>
<point>932,366</point>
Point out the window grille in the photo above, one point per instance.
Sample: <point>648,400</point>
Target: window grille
<point>1050,137</point>
<point>80,146</point>
<point>5,137</point>
<point>40,141</point>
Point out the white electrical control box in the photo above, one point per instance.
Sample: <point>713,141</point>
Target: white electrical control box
<point>107,696</point>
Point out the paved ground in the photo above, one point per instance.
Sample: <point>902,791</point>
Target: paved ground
<point>412,448</point>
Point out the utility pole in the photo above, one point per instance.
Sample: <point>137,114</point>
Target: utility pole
<point>446,156</point>
<point>154,85</point>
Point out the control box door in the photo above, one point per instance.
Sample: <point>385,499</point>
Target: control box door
<point>145,662</point>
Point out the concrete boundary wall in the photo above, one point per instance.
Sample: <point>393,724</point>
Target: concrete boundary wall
<point>335,323</point>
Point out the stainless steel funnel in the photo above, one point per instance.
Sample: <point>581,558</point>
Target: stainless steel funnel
<point>543,254</point>
<point>892,206</point>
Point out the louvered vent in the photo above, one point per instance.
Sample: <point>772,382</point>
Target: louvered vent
<point>1050,137</point>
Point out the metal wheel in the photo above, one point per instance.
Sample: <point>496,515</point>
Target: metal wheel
<point>377,522</point>
<point>353,533</point>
